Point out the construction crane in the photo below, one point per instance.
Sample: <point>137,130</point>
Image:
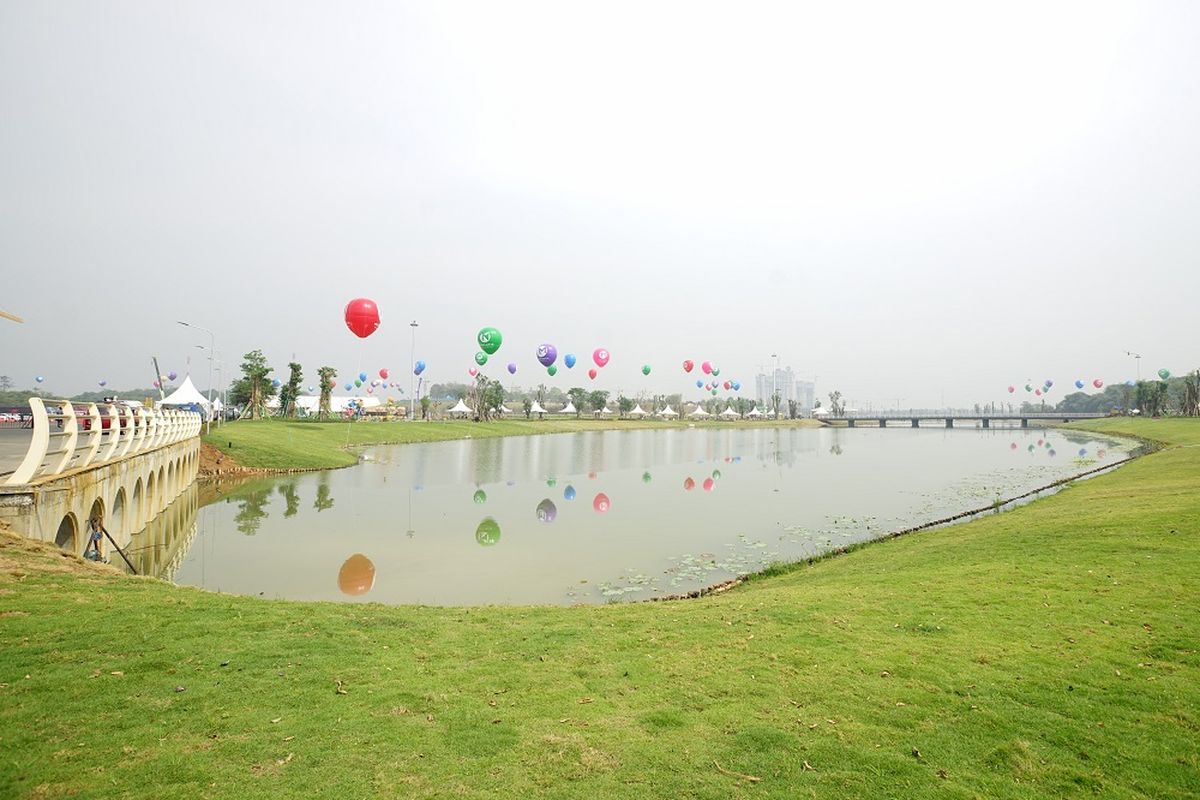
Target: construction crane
<point>13,317</point>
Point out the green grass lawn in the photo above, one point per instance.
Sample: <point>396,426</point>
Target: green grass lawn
<point>280,444</point>
<point>1049,651</point>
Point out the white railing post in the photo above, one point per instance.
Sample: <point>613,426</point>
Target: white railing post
<point>70,429</point>
<point>37,447</point>
<point>95,431</point>
<point>114,432</point>
<point>128,428</point>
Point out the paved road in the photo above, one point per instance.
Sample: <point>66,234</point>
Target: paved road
<point>13,444</point>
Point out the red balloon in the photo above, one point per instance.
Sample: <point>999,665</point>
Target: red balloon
<point>601,503</point>
<point>362,317</point>
<point>1012,389</point>
<point>592,373</point>
<point>1098,383</point>
<point>600,356</point>
<point>383,373</point>
<point>727,384</point>
<point>689,484</point>
<point>687,365</point>
<point>709,484</point>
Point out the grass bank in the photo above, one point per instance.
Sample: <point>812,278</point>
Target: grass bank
<point>275,444</point>
<point>1049,651</point>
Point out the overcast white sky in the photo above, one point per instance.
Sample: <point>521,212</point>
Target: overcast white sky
<point>909,200</point>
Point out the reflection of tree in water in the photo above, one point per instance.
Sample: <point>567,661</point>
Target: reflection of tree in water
<point>323,500</point>
<point>252,511</point>
<point>836,450</point>
<point>288,490</point>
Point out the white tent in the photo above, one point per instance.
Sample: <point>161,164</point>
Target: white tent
<point>537,408</point>
<point>699,412</point>
<point>820,412</point>
<point>185,395</point>
<point>606,410</point>
<point>668,412</point>
<point>728,412</point>
<point>754,412</point>
<point>569,408</point>
<point>638,411</point>
<point>461,408</point>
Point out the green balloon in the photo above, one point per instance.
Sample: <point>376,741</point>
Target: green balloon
<point>716,372</point>
<point>716,474</point>
<point>645,369</point>
<point>481,358</point>
<point>489,340</point>
<point>488,532</point>
<point>480,497</point>
<point>646,477</point>
<point>552,370</point>
<point>1164,373</point>
<point>358,383</point>
<point>552,482</point>
<point>714,391</point>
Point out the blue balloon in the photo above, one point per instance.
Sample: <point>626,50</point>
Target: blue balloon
<point>362,376</point>
<point>275,383</point>
<point>349,386</point>
<point>1078,384</point>
<point>419,368</point>
<point>569,493</point>
<point>569,360</point>
<point>699,384</point>
<point>737,387</point>
<point>39,379</point>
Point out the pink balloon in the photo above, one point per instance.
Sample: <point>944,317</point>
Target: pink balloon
<point>687,365</point>
<point>1038,392</point>
<point>592,373</point>
<point>472,372</point>
<point>707,367</point>
<point>1012,389</point>
<point>383,373</point>
<point>600,356</point>
<point>708,484</point>
<point>1098,383</point>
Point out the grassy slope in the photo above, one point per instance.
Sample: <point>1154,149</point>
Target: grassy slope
<point>276,444</point>
<point>1047,651</point>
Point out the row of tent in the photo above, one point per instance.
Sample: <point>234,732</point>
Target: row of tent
<point>638,411</point>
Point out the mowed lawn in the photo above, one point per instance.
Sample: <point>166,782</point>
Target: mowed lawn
<point>1048,651</point>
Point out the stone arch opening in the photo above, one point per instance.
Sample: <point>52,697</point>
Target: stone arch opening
<point>135,507</point>
<point>160,499</point>
<point>97,510</point>
<point>151,495</point>
<point>169,486</point>
<point>118,523</point>
<point>68,532</point>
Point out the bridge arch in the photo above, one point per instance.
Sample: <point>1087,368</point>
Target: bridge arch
<point>135,507</point>
<point>68,533</point>
<point>170,493</point>
<point>149,508</point>
<point>119,524</point>
<point>160,498</point>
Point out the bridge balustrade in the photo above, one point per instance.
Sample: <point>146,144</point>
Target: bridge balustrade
<point>68,436</point>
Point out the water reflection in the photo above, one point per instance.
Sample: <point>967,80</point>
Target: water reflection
<point>785,494</point>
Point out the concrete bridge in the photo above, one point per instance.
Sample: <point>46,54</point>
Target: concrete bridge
<point>915,420</point>
<point>120,464</point>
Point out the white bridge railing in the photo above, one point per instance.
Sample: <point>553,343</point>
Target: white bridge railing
<point>70,436</point>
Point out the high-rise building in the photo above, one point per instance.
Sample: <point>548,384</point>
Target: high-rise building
<point>806,395</point>
<point>781,382</point>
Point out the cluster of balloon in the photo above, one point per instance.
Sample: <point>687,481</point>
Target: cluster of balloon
<point>357,575</point>
<point>601,503</point>
<point>362,317</point>
<point>1164,373</point>
<point>418,368</point>
<point>546,511</point>
<point>488,532</point>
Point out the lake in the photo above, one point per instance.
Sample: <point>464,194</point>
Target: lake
<point>592,517</point>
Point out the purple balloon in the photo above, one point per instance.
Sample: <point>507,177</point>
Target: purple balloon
<point>512,368</point>
<point>546,354</point>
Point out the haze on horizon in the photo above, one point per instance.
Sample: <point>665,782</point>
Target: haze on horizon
<point>917,203</point>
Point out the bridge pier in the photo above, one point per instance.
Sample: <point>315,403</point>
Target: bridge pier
<point>916,423</point>
<point>986,422</point>
<point>1024,422</point>
<point>882,422</point>
<point>850,423</point>
<point>949,422</point>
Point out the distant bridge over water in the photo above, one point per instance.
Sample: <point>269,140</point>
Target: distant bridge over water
<point>123,465</point>
<point>986,419</point>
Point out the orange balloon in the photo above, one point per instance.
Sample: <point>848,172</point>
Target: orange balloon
<point>357,575</point>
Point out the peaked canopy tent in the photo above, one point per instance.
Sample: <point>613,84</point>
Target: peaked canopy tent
<point>186,395</point>
<point>668,412</point>
<point>699,412</point>
<point>461,408</point>
<point>569,408</point>
<point>637,410</point>
<point>728,412</point>
<point>754,412</point>
<point>536,408</point>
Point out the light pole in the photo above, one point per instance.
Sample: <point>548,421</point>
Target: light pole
<point>212,348</point>
<point>775,385</point>
<point>1137,357</point>
<point>412,369</point>
<point>220,394</point>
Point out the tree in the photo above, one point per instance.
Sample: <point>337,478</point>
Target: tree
<point>598,399</point>
<point>327,376</point>
<point>835,404</point>
<point>579,398</point>
<point>527,405</point>
<point>624,405</point>
<point>775,404</point>
<point>425,404</point>
<point>5,383</point>
<point>253,390</point>
<point>290,390</point>
<point>792,408</point>
<point>1189,405</point>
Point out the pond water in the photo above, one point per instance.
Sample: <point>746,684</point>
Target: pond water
<point>592,517</point>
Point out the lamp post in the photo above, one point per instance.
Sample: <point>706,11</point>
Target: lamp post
<point>211,356</point>
<point>1137,357</point>
<point>775,385</point>
<point>220,394</point>
<point>412,367</point>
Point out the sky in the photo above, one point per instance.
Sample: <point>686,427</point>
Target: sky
<point>917,204</point>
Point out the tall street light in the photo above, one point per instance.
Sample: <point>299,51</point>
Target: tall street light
<point>220,394</point>
<point>412,367</point>
<point>1137,360</point>
<point>212,347</point>
<point>775,385</point>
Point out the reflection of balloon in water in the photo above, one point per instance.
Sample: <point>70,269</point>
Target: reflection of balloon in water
<point>489,340</point>
<point>1082,452</point>
<point>601,503</point>
<point>1052,453</point>
<point>708,484</point>
<point>1012,389</point>
<point>647,477</point>
<point>716,474</point>
<point>383,373</point>
<point>645,369</point>
<point>1164,373</point>
<point>480,497</point>
<point>546,511</point>
<point>546,354</point>
<point>592,373</point>
<point>357,575</point>
<point>362,317</point>
<point>552,482</point>
<point>418,368</point>
<point>707,367</point>
<point>1098,383</point>
<point>687,365</point>
<point>472,372</point>
<point>689,484</point>
<point>512,368</point>
<point>569,360</point>
<point>1078,384</point>
<point>1012,446</point>
<point>481,358</point>
<point>552,370</point>
<point>488,532</point>
<point>569,492</point>
<point>600,356</point>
